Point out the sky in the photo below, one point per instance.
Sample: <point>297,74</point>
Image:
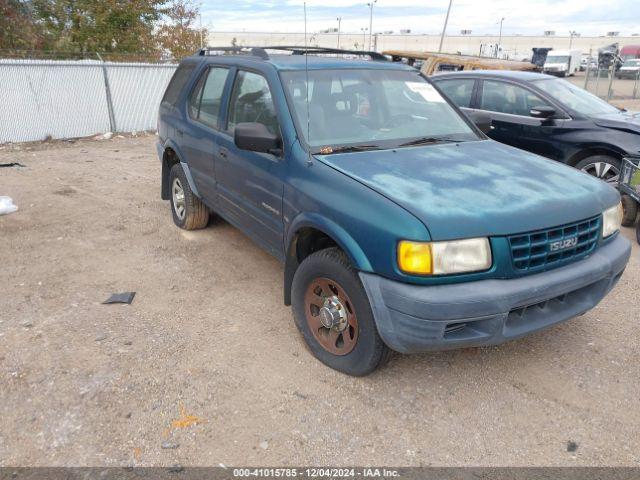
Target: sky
<point>525,17</point>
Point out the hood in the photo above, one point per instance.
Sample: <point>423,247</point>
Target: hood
<point>627,121</point>
<point>478,189</point>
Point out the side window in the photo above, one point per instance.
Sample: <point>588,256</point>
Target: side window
<point>459,91</point>
<point>251,102</point>
<point>206,98</point>
<point>177,83</point>
<point>196,96</point>
<point>507,98</point>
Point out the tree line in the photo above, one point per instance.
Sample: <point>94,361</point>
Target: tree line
<point>158,29</point>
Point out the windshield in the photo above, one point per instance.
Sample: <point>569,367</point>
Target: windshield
<point>379,108</point>
<point>575,97</point>
<point>557,59</point>
<point>632,63</point>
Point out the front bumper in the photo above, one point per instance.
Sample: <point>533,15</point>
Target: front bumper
<point>416,318</point>
<point>627,75</point>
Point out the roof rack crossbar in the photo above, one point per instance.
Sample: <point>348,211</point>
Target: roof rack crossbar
<point>301,50</point>
<point>255,51</point>
<point>261,52</point>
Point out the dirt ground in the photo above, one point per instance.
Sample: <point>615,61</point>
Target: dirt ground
<point>206,366</point>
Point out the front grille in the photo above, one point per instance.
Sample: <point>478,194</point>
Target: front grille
<point>544,249</point>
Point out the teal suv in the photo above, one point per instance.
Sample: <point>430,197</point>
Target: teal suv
<point>400,225</point>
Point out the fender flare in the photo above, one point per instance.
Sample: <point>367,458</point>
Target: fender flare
<point>165,170</point>
<point>330,228</point>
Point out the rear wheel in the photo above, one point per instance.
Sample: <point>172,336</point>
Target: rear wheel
<point>604,167</point>
<point>630,209</point>
<point>332,311</point>
<point>187,210</point>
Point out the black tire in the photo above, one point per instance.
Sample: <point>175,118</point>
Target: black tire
<point>189,213</point>
<point>630,209</point>
<point>638,233</point>
<point>369,352</point>
<point>603,167</point>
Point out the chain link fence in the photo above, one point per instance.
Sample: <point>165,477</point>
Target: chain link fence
<point>609,84</point>
<point>59,97</point>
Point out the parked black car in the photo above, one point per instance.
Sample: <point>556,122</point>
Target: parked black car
<point>548,116</point>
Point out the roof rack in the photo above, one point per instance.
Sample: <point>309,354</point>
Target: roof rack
<point>261,52</point>
<point>301,50</point>
<point>254,51</point>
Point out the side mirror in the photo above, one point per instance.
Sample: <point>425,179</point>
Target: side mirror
<point>542,111</point>
<point>256,138</point>
<point>482,120</point>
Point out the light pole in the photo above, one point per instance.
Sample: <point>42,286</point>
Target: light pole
<point>339,22</point>
<point>500,37</point>
<point>572,33</point>
<point>364,36</point>
<point>444,29</point>
<point>370,5</point>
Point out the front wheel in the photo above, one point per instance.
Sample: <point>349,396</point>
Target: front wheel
<point>604,167</point>
<point>332,311</point>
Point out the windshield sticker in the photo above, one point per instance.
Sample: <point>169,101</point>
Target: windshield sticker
<point>426,91</point>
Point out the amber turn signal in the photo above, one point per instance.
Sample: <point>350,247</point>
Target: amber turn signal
<point>415,257</point>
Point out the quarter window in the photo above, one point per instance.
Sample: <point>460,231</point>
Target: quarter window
<point>206,99</point>
<point>252,102</point>
<point>177,83</point>
<point>459,91</point>
<point>507,98</point>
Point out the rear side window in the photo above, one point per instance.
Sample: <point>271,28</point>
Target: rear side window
<point>206,99</point>
<point>177,83</point>
<point>459,91</point>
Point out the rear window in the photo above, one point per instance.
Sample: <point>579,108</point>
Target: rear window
<point>177,83</point>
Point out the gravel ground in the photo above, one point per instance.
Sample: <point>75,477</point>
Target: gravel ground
<point>206,366</point>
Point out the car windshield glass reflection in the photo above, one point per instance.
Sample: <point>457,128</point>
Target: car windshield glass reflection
<point>557,59</point>
<point>372,107</point>
<point>575,97</point>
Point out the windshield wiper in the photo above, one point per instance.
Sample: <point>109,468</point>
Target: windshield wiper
<point>428,140</point>
<point>348,149</point>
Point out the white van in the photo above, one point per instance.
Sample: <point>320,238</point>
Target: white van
<point>562,62</point>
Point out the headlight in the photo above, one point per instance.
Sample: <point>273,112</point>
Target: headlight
<point>611,220</point>
<point>439,258</point>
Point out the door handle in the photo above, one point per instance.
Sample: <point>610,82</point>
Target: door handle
<point>179,132</point>
<point>223,152</point>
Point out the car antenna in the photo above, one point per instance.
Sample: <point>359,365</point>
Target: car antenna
<point>306,71</point>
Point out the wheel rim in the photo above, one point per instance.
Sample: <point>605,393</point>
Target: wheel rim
<point>331,316</point>
<point>603,170</point>
<point>177,193</point>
